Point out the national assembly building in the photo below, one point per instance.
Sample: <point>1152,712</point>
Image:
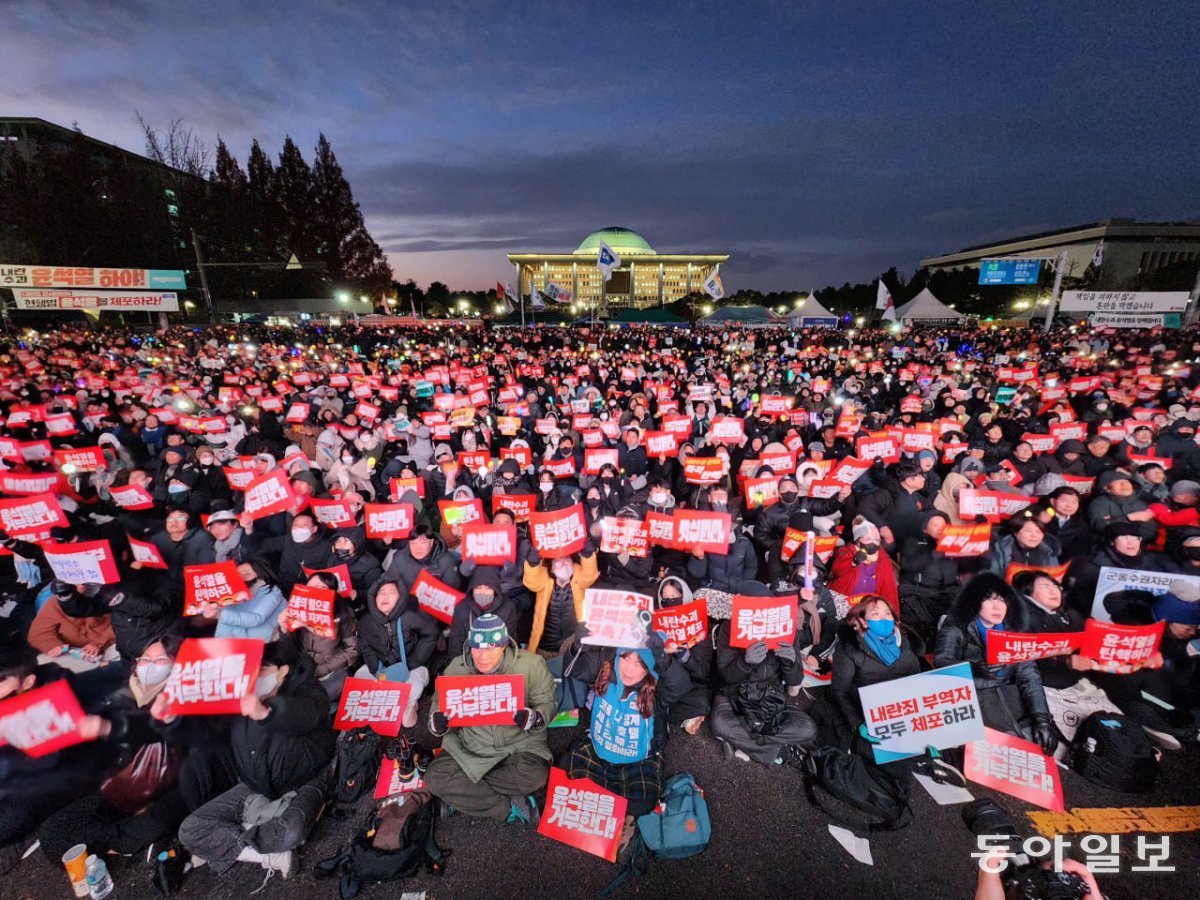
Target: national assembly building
<point>644,278</point>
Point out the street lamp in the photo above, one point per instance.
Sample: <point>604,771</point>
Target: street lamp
<point>343,297</point>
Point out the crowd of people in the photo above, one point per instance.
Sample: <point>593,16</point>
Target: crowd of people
<point>438,417</point>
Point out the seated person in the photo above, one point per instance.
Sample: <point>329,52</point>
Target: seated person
<point>634,690</point>
<point>76,621</point>
<point>1011,696</point>
<point>483,597</point>
<point>871,649</point>
<point>397,640</point>
<point>689,711</point>
<point>492,771</point>
<point>760,676</point>
<point>864,567</point>
<point>283,743</point>
<point>336,656</point>
<point>1024,542</point>
<point>256,616</point>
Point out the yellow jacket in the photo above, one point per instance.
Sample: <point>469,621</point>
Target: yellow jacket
<point>539,580</point>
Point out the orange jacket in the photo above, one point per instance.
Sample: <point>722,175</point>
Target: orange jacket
<point>52,628</point>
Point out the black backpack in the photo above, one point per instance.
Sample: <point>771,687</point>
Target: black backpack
<point>416,847</point>
<point>359,752</point>
<point>1113,751</point>
<point>849,779</point>
<point>762,707</point>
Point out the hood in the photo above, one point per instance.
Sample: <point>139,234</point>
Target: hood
<point>486,575</point>
<point>509,467</point>
<point>644,654</point>
<point>373,610</point>
<point>685,591</point>
<point>967,604</point>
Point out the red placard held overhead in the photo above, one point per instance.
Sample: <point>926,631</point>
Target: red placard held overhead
<point>384,520</point>
<point>269,494</point>
<point>489,545</point>
<point>558,533</point>
<point>31,515</point>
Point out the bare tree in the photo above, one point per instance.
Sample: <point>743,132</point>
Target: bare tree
<point>177,146</point>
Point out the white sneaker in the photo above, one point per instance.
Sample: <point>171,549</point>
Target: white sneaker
<point>249,854</point>
<point>738,754</point>
<point>1164,740</point>
<point>283,863</point>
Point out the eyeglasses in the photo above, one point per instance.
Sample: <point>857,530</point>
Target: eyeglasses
<point>160,660</point>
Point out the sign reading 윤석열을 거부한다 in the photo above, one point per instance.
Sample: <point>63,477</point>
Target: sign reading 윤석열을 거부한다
<point>71,277</point>
<point>938,708</point>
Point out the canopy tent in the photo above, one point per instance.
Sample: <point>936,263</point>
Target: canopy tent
<point>927,308</point>
<point>745,316</point>
<point>654,315</point>
<point>811,314</point>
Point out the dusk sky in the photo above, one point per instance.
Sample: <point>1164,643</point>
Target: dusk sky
<point>815,142</point>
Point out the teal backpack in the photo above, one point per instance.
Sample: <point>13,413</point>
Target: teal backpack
<point>678,827</point>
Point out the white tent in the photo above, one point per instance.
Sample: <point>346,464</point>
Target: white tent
<point>927,308</point>
<point>811,313</point>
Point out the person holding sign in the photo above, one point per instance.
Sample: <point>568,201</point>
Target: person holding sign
<point>1025,542</point>
<point>492,771</point>
<point>1011,696</point>
<point>634,690</point>
<point>255,616</point>
<point>558,596</point>
<point>302,547</point>
<point>689,711</point>
<point>871,649</point>
<point>282,743</point>
<point>424,550</point>
<point>75,620</point>
<point>397,640</point>
<point>332,656</point>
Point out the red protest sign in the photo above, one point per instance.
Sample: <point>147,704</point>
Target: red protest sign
<point>86,562</point>
<point>85,459</point>
<point>461,512</point>
<point>630,536</point>
<point>707,530</point>
<point>583,815</point>
<point>992,505</point>
<point>761,492</point>
<point>770,619</point>
<point>30,515</point>
<point>962,541</point>
<point>399,486</point>
<point>596,458</point>
<point>212,675</point>
<point>238,479</point>
<point>1058,573</point>
<point>217,583</point>
<point>1068,431</point>
<point>875,446</point>
<point>132,497</point>
<point>523,455</point>
<point>559,532</point>
<point>726,430</point>
<point>849,470</point>
<point>661,528</point>
<point>1014,766</point>
<point>384,520</point>
<point>342,573</point>
<point>297,413</point>
<point>1107,642</point>
<point>685,625</point>
<point>146,554</point>
<point>42,721</point>
<point>793,540</point>
<point>521,505</point>
<point>1004,647</point>
<point>468,700</point>
<point>393,780</point>
<point>703,470</point>
<point>269,494</point>
<point>332,513</point>
<point>776,404</point>
<point>367,703</point>
<point>311,608</point>
<point>489,545</point>
<point>660,444</point>
<point>436,597</point>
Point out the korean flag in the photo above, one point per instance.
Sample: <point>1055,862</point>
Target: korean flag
<point>607,260</point>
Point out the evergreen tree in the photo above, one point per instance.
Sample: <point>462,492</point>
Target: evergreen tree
<point>294,192</point>
<point>342,239</point>
<point>263,207</point>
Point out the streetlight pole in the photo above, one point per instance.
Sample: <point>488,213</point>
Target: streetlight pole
<point>212,315</point>
<point>1060,267</point>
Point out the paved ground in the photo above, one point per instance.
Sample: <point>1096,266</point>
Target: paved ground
<point>767,842</point>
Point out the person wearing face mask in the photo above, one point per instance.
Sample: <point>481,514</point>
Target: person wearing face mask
<point>180,767</point>
<point>211,478</point>
<point>1178,444</point>
<point>304,546</point>
<point>483,597</point>
<point>864,567</point>
<point>1011,696</point>
<point>335,656</point>
<point>350,472</point>
<point>397,640</point>
<point>552,496</point>
<point>349,549</point>
<point>690,711</point>
<point>558,587</point>
<point>871,649</point>
<point>508,479</point>
<point>75,620</point>
<point>184,492</point>
<point>256,615</point>
<point>283,743</point>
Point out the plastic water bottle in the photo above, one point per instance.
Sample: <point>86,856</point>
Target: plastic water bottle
<point>99,882</point>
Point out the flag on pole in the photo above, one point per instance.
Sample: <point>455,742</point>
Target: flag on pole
<point>714,285</point>
<point>535,298</point>
<point>558,294</point>
<point>607,260</point>
<point>502,296</point>
<point>1098,256</point>
<point>883,301</point>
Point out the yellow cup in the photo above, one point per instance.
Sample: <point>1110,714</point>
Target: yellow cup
<point>75,862</point>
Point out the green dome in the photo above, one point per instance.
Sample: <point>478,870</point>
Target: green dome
<point>622,240</point>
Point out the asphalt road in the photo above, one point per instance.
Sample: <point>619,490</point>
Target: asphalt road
<point>767,842</point>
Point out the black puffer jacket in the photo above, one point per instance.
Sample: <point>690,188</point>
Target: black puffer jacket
<point>441,563</point>
<point>721,573</point>
<point>1009,696</point>
<point>1056,671</point>
<point>855,666</point>
<point>139,618</point>
<point>377,640</point>
<point>293,557</point>
<point>291,746</point>
<point>196,548</point>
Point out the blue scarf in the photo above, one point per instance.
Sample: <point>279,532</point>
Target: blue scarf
<point>884,646</point>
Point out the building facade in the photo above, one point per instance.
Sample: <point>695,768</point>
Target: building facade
<point>1135,253</point>
<point>644,278</point>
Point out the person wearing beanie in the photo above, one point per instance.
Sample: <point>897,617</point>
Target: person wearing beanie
<point>493,771</point>
<point>864,567</point>
<point>634,689</point>
<point>1181,508</point>
<point>484,598</point>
